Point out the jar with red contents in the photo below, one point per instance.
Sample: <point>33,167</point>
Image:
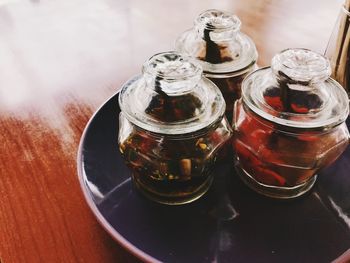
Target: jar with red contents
<point>289,124</point>
<point>172,128</point>
<point>226,54</point>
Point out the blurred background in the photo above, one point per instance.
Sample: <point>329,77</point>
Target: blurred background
<point>50,46</point>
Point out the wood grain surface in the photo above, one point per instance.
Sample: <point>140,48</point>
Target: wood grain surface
<point>59,60</point>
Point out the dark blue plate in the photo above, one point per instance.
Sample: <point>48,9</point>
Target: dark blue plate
<point>228,224</point>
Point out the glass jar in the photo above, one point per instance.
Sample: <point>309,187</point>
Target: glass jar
<point>338,48</point>
<point>226,54</point>
<point>289,124</point>
<point>172,127</point>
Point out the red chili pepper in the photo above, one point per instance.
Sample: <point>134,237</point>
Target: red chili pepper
<point>256,167</point>
<point>260,136</point>
<point>255,134</point>
<point>269,177</point>
<point>216,137</point>
<point>246,155</point>
<point>308,136</point>
<point>299,109</point>
<point>274,102</point>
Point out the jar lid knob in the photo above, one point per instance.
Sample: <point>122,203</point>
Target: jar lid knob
<point>217,25</point>
<point>301,66</point>
<point>171,73</point>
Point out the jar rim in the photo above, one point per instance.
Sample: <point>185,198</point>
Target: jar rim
<point>184,127</point>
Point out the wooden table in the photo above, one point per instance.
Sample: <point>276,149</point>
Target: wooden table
<point>59,60</point>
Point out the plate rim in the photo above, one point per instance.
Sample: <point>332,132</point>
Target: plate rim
<point>91,204</point>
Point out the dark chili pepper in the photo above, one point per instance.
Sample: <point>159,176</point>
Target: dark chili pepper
<point>212,54</point>
<point>283,82</point>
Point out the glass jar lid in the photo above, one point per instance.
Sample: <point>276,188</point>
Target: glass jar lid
<point>297,91</point>
<point>216,41</point>
<point>171,96</point>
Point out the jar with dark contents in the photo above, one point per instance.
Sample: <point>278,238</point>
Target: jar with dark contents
<point>172,127</point>
<point>226,54</point>
<point>289,124</point>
